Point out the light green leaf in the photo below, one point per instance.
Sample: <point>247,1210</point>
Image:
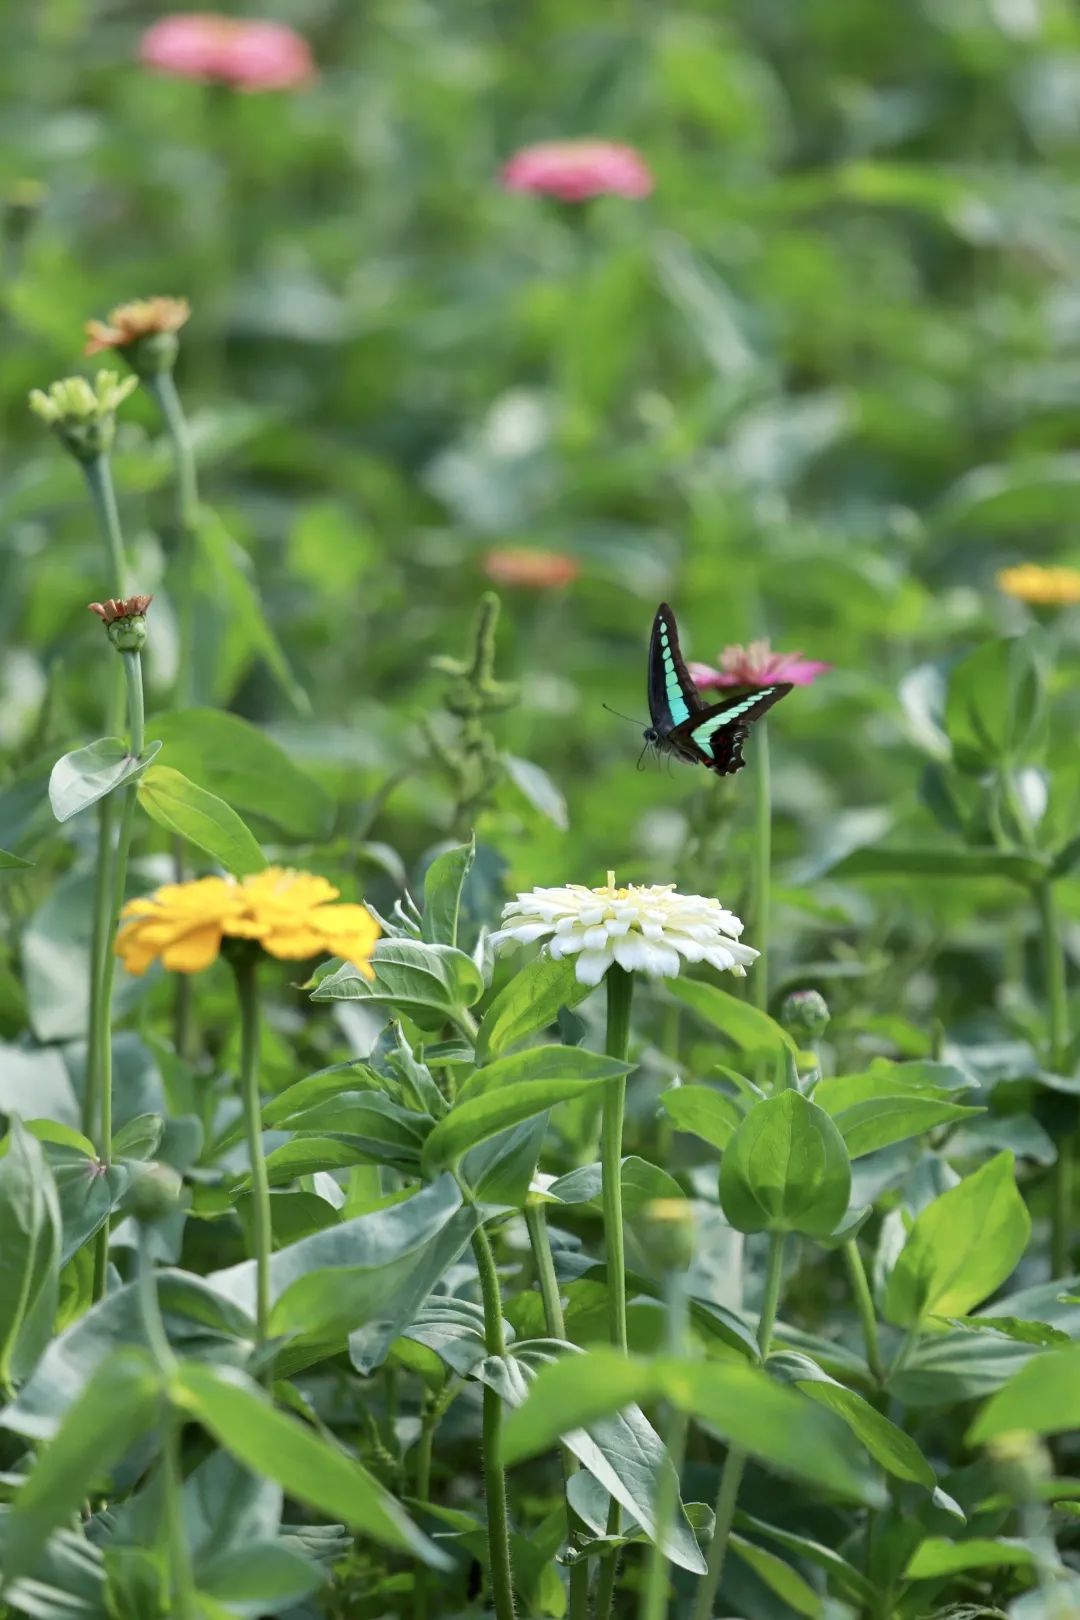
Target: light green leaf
<point>541,1063</point>
<point>431,983</point>
<point>534,784</point>
<point>744,1025</point>
<point>203,819</point>
<point>83,777</point>
<point>960,1248</point>
<point>994,702</point>
<point>1043,1397</point>
<point>785,1169</point>
<point>12,863</point>
<point>240,764</point>
<point>938,1556</point>
<point>30,1232</point>
<point>875,1110</point>
<point>242,1418</point>
<point>948,862</point>
<point>227,579</point>
<point>443,883</point>
<point>530,1001</point>
<point>478,1118</point>
<point>704,1112</point>
<point>780,1578</point>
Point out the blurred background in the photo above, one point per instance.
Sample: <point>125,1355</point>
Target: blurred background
<point>821,384</point>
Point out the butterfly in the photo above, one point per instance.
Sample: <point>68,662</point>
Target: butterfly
<point>683,724</point>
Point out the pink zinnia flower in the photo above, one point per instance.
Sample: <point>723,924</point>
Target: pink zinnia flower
<point>574,171</point>
<point>757,665</point>
<point>250,55</point>
<point>529,567</point>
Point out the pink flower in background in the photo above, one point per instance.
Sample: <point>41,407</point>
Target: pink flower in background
<point>757,665</point>
<point>529,567</point>
<point>574,171</point>
<point>250,55</point>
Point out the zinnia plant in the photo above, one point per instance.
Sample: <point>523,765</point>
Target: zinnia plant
<point>247,53</point>
<point>574,171</point>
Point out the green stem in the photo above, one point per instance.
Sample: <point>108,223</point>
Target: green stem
<point>759,936</point>
<point>536,1222</point>
<point>1057,1059</point>
<point>735,1461</point>
<point>99,942</point>
<point>502,1581</point>
<point>654,1599</point>
<point>102,1017</point>
<point>245,967</point>
<point>181,1580</point>
<point>103,494</point>
<point>620,995</point>
<point>162,389</point>
<point>864,1304</point>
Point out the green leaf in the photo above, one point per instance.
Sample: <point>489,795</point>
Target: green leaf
<point>430,983</point>
<point>30,1231</point>
<point>443,883</point>
<point>843,1573</point>
<point>938,1556</point>
<point>373,1125</point>
<point>259,1578</point>
<point>875,1110</point>
<point>226,578</point>
<point>83,777</point>
<point>541,1063</point>
<point>120,1402</point>
<point>201,818</point>
<point>530,1001</point>
<point>1043,1397</point>
<point>478,1118</point>
<point>12,863</point>
<point>948,862</point>
<point>887,1444</point>
<point>779,1577</point>
<point>535,785</point>
<point>234,760</point>
<point>704,1112</point>
<point>994,702</point>
<point>744,1025</point>
<point>242,1418</point>
<point>786,1169</point>
<point>960,1248</point>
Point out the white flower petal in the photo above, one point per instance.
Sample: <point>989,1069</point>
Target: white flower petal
<point>591,966</point>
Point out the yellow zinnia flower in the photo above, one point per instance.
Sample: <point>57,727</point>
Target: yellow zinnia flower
<point>1047,587</point>
<point>292,915</point>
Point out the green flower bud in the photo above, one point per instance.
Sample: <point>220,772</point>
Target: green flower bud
<point>667,1234</point>
<point>805,1015</point>
<point>125,620</point>
<point>156,1191</point>
<point>81,414</point>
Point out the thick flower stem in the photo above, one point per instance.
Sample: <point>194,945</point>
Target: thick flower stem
<point>162,388</point>
<point>759,978</point>
<point>1057,1056</point>
<point>502,1581</point>
<point>735,1462</point>
<point>536,1222</point>
<point>654,1599</point>
<point>181,1581</point>
<point>864,1304</point>
<point>620,995</point>
<point>103,494</point>
<point>103,989</point>
<point>245,967</point>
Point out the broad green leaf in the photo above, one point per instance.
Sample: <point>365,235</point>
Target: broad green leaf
<point>813,1552</point>
<point>530,1001</point>
<point>478,1118</point>
<point>951,862</point>
<point>937,1556</point>
<point>83,777</point>
<point>443,883</point>
<point>887,1444</point>
<point>30,1237</point>
<point>1043,1397</point>
<point>120,1402</point>
<point>240,764</point>
<point>744,1025</point>
<point>241,1417</point>
<point>779,1577</point>
<point>201,818</point>
<point>260,1578</point>
<point>226,576</point>
<point>785,1169</point>
<point>373,1124</point>
<point>994,702</point>
<point>12,863</point>
<point>703,1111</point>
<point>535,785</point>
<point>960,1248</point>
<point>875,1110</point>
<point>541,1063</point>
<point>429,983</point>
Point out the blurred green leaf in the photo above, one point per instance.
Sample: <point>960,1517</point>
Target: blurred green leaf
<point>201,818</point>
<point>248,770</point>
<point>82,778</point>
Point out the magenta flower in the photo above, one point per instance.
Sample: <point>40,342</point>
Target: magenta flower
<point>249,55</point>
<point>757,665</point>
<point>574,171</point>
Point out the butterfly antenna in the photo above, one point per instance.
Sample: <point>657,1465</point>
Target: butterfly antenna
<point>622,716</point>
<point>644,751</point>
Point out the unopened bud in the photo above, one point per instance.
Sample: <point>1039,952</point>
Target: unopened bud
<point>667,1233</point>
<point>1021,1462</point>
<point>125,620</point>
<point>805,1015</point>
<point>156,1191</point>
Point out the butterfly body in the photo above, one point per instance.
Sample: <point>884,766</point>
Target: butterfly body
<point>682,723</point>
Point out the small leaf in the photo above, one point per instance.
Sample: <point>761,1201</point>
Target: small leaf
<point>443,883</point>
<point>938,1556</point>
<point>206,821</point>
<point>744,1025</point>
<point>83,777</point>
<point>531,1001</point>
<point>704,1112</point>
<point>780,1578</point>
<point>994,702</point>
<point>786,1169</point>
<point>479,1118</point>
<point>534,783</point>
<point>12,863</point>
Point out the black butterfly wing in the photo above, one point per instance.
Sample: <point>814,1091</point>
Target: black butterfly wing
<point>673,697</point>
<point>714,736</point>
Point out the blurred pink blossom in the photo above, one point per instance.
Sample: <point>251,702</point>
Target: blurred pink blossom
<point>757,665</point>
<point>574,171</point>
<point>250,55</point>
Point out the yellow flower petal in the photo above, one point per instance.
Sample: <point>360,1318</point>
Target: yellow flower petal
<point>194,951</point>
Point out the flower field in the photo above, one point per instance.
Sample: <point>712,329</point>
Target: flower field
<point>539,811</point>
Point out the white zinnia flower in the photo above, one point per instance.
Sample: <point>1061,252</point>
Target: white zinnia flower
<point>644,928</point>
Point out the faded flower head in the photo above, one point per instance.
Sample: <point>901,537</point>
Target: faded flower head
<point>574,171</point>
<point>757,665</point>
<point>529,567</point>
<point>646,928</point>
<point>82,413</point>
<point>125,620</point>
<point>292,915</point>
<point>248,54</point>
<point>1043,587</point>
<point>144,329</point>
